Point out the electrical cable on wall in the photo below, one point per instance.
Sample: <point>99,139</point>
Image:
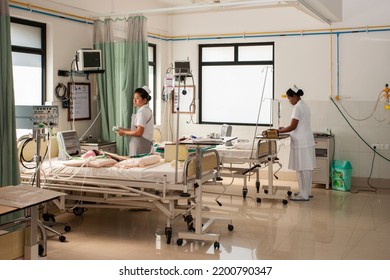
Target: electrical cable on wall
<point>361,138</point>
<point>62,93</point>
<point>374,150</point>
<point>380,96</point>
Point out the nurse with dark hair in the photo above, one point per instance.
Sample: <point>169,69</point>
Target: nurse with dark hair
<point>302,151</point>
<point>142,124</point>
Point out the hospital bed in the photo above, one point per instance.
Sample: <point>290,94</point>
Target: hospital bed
<point>142,186</point>
<point>242,159</point>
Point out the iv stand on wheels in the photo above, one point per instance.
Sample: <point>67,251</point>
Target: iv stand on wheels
<point>45,225</point>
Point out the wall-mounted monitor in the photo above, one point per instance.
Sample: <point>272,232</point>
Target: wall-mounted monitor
<point>89,60</point>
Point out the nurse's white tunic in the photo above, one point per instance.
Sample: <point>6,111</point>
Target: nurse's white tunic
<point>302,152</point>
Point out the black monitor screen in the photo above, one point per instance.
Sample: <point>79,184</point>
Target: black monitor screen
<point>91,59</point>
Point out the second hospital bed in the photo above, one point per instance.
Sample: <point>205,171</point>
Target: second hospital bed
<point>242,159</point>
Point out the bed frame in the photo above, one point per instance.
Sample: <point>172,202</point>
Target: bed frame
<point>172,199</point>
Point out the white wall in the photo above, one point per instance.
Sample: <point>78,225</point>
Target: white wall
<point>310,62</point>
<point>64,38</point>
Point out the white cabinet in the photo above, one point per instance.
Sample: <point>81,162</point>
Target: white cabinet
<point>324,147</point>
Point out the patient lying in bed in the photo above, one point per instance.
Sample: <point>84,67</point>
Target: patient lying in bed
<point>103,159</point>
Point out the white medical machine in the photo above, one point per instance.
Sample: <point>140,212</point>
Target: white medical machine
<point>68,144</point>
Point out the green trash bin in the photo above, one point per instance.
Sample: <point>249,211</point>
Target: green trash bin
<point>341,173</point>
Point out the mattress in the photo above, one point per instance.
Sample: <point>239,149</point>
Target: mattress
<point>155,172</point>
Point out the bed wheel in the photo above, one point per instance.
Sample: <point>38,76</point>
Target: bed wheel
<point>168,234</point>
<point>266,191</point>
<point>216,245</point>
<point>78,211</point>
<point>190,227</point>
<point>67,228</point>
<point>48,217</point>
<point>188,219</point>
<point>230,227</point>
<point>258,200</point>
<point>285,201</point>
<point>244,193</point>
<point>289,193</point>
<point>41,250</point>
<point>62,238</point>
<point>179,242</point>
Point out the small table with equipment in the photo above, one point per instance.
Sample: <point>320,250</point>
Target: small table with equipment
<point>200,229</point>
<point>271,191</point>
<point>26,198</point>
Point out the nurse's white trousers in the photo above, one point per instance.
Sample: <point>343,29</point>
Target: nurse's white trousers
<point>305,179</point>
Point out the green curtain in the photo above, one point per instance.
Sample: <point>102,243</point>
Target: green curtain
<point>125,58</point>
<point>9,166</point>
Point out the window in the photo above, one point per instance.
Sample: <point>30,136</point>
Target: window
<point>236,83</point>
<point>152,76</point>
<point>28,40</point>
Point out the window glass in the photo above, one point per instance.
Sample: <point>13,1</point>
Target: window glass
<point>28,59</point>
<point>241,87</point>
<point>27,73</point>
<point>25,35</point>
<point>218,54</point>
<point>255,53</point>
<point>237,93</point>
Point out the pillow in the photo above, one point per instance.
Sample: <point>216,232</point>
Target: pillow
<point>149,160</point>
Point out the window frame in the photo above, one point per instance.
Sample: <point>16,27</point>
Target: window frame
<point>235,62</point>
<point>153,63</point>
<point>36,51</point>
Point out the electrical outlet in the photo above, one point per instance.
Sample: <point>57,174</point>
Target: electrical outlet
<point>380,146</point>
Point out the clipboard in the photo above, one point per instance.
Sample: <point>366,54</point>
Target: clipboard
<point>79,101</point>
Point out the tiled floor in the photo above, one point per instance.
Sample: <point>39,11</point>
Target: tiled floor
<point>333,225</point>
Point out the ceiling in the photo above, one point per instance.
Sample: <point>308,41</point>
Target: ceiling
<point>325,10</point>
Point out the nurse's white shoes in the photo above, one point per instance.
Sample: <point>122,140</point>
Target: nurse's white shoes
<point>298,198</point>
<point>297,193</point>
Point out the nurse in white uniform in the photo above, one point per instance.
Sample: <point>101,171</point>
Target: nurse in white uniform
<point>302,151</point>
<point>142,124</point>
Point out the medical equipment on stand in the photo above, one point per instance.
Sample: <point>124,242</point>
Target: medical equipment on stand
<point>40,118</point>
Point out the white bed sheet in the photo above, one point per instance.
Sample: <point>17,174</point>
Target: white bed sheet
<point>233,152</point>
